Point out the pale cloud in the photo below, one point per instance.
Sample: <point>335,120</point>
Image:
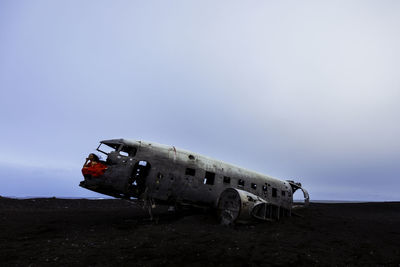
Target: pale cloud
<point>291,85</point>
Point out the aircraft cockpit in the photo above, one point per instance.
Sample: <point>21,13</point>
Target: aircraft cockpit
<point>113,175</point>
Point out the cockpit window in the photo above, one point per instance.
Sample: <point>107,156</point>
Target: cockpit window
<point>126,150</point>
<point>123,153</point>
<point>107,148</point>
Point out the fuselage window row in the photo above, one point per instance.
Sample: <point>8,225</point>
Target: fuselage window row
<point>209,179</point>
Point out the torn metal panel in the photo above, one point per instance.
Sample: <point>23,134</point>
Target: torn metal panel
<point>295,186</point>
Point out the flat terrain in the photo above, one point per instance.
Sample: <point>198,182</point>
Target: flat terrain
<point>59,232</point>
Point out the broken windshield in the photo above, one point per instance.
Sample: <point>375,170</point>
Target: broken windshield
<point>107,148</point>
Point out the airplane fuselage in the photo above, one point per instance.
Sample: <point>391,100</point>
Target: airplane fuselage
<point>137,169</point>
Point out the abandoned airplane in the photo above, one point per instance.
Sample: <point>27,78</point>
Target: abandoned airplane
<point>160,174</point>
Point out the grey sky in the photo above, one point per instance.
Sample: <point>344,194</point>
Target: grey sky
<point>306,90</point>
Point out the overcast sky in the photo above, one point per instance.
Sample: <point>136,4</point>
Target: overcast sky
<point>302,90</point>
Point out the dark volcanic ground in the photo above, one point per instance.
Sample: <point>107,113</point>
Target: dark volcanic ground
<point>39,232</point>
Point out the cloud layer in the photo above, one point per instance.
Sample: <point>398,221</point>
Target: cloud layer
<point>305,90</point>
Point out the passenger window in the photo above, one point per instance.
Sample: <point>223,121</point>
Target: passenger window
<point>265,188</point>
<point>227,180</point>
<point>190,171</point>
<point>254,186</point>
<point>283,193</point>
<point>241,182</point>
<point>274,192</point>
<point>209,178</point>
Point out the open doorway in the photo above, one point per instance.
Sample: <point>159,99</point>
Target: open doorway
<point>137,181</point>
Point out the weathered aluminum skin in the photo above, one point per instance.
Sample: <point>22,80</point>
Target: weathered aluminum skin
<point>166,177</point>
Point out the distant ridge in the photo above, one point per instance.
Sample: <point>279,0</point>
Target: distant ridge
<point>343,201</point>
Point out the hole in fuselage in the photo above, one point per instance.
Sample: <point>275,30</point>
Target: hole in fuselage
<point>137,181</point>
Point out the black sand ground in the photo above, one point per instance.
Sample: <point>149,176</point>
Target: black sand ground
<point>57,232</point>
